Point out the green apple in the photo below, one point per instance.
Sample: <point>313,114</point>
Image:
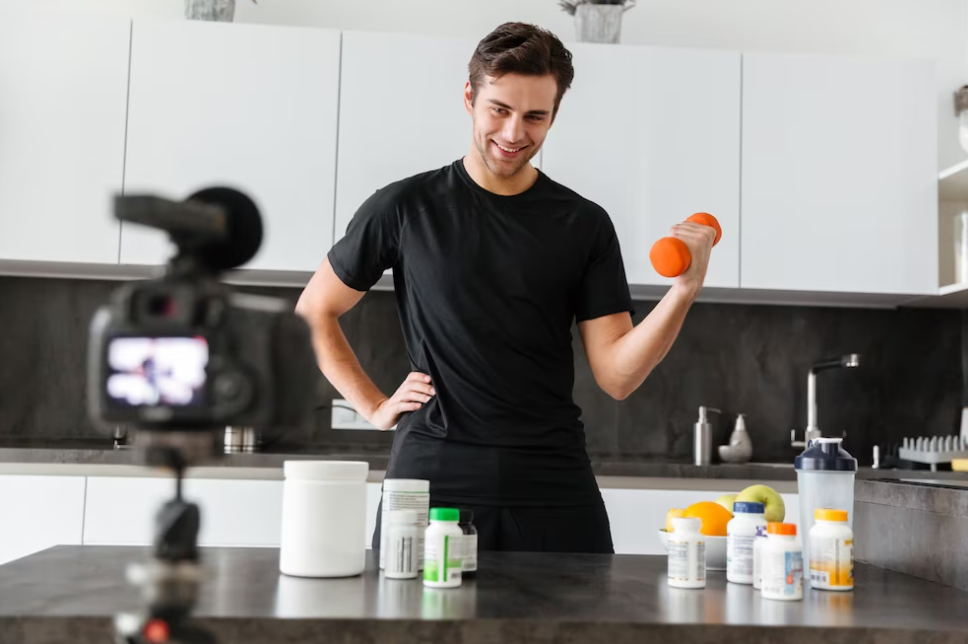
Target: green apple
<point>770,498</point>
<point>726,501</point>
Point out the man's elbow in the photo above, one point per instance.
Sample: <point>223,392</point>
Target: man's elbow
<point>618,390</point>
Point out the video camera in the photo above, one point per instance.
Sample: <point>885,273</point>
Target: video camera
<point>185,353</point>
<point>180,357</point>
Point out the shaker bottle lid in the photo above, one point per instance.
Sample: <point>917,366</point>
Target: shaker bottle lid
<point>826,455</point>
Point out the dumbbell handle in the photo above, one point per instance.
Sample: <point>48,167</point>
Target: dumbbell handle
<point>671,257</point>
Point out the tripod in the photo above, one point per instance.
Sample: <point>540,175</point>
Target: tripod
<point>169,582</point>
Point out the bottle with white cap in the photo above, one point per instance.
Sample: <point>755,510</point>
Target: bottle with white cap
<point>401,558</point>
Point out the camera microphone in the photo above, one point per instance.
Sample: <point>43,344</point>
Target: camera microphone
<point>243,232</point>
<point>220,227</point>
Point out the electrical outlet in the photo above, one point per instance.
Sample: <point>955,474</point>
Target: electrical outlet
<point>345,417</point>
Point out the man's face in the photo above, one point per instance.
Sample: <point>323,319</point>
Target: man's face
<point>511,116</point>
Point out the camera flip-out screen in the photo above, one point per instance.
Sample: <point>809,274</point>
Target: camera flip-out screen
<point>152,372</point>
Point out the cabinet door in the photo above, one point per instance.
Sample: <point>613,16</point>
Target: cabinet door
<point>63,85</point>
<point>39,512</point>
<point>121,510</point>
<point>250,107</point>
<point>401,112</point>
<point>652,136</point>
<point>839,174</point>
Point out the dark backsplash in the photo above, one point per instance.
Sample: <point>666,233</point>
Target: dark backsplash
<point>738,358</point>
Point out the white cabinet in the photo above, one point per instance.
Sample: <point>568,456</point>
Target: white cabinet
<point>839,174</point>
<point>121,510</point>
<point>245,106</point>
<point>37,512</point>
<point>401,112</point>
<point>652,135</point>
<point>636,516</point>
<point>63,85</point>
<point>234,512</point>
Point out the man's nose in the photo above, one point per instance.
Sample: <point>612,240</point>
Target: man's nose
<point>513,131</point>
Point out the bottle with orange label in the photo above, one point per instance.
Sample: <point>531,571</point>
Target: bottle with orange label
<point>782,563</point>
<point>831,551</point>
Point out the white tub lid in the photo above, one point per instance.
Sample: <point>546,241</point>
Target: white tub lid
<point>327,470</point>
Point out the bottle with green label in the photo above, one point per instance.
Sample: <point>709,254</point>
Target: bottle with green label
<point>442,549</point>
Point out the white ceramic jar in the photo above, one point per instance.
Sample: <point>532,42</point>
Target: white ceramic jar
<point>324,519</point>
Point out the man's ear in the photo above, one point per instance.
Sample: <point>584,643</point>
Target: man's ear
<point>469,97</point>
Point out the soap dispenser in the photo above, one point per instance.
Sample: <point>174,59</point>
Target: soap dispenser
<point>702,440</point>
<point>740,448</point>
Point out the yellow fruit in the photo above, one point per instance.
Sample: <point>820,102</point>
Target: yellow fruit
<point>672,514</point>
<point>714,517</point>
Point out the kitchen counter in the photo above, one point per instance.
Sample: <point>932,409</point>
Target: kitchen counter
<point>93,458</point>
<point>69,593</point>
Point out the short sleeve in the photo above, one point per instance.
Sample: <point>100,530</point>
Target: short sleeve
<point>604,288</point>
<point>371,243</point>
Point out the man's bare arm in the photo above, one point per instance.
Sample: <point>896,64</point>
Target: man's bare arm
<point>622,356</point>
<point>321,304</point>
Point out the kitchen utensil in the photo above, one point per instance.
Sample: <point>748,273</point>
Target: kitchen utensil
<point>933,450</point>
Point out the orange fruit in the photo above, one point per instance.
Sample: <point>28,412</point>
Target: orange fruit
<point>672,514</point>
<point>714,517</point>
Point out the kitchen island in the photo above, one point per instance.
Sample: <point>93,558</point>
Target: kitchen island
<point>70,593</point>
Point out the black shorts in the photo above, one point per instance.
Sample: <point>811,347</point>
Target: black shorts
<point>525,529</point>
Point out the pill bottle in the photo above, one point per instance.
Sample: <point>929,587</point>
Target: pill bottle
<point>740,533</point>
<point>687,554</point>
<point>469,548</point>
<point>442,549</point>
<point>831,548</point>
<point>401,558</point>
<point>782,561</point>
<point>758,544</point>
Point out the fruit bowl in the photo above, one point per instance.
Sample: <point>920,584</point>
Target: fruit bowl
<point>715,550</point>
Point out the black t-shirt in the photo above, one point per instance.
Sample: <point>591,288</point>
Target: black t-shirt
<point>488,288</point>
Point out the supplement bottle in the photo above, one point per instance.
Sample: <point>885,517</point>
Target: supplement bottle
<point>687,554</point>
<point>469,549</point>
<point>403,540</point>
<point>442,549</point>
<point>831,548</point>
<point>782,560</point>
<point>758,544</point>
<point>740,533</point>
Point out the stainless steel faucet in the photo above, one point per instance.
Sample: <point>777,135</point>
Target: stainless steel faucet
<point>812,432</point>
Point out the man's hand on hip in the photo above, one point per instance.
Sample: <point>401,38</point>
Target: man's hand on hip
<point>412,394</point>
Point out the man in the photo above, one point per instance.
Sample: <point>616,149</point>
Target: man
<point>493,261</point>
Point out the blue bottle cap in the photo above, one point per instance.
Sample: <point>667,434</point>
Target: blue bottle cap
<point>748,507</point>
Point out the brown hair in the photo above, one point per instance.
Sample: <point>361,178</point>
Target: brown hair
<point>521,48</point>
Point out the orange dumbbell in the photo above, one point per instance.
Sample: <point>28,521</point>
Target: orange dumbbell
<point>670,256</point>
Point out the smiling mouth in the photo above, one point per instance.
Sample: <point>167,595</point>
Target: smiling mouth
<point>508,150</point>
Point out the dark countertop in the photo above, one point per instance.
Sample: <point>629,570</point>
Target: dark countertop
<point>98,452</point>
<point>69,593</point>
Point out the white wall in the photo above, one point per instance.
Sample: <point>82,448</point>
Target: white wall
<point>924,28</point>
